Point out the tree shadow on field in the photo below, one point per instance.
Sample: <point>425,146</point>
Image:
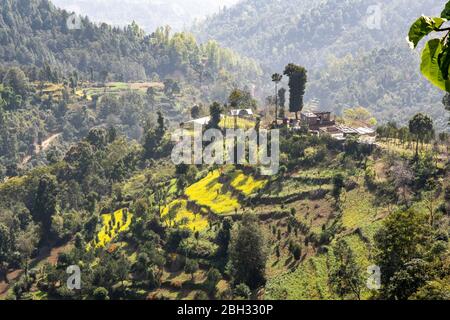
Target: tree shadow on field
<point>288,262</point>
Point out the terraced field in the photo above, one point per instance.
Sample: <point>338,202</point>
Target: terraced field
<point>209,195</point>
<point>176,214</point>
<point>247,184</point>
<point>212,194</point>
<point>117,88</point>
<point>87,89</point>
<point>308,281</point>
<point>112,226</point>
<point>241,123</point>
<point>291,187</point>
<point>360,221</point>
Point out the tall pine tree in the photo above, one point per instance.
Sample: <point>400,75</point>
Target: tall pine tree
<point>45,203</point>
<point>297,85</point>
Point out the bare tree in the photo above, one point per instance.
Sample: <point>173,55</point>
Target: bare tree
<point>402,177</point>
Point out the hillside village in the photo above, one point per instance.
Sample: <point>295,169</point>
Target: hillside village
<point>315,122</point>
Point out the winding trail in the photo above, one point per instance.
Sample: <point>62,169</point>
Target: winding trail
<point>42,147</point>
<point>48,142</point>
<point>46,255</point>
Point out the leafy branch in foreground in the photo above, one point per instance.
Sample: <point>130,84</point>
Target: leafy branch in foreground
<point>435,63</point>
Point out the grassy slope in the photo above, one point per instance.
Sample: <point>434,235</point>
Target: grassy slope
<point>310,279</point>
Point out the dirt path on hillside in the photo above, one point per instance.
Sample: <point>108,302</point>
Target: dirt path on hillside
<point>43,147</point>
<point>49,255</point>
<point>12,276</point>
<point>48,142</point>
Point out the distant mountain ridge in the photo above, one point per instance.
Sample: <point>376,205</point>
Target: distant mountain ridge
<point>149,14</point>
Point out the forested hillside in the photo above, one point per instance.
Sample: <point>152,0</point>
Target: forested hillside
<point>276,32</point>
<point>384,80</point>
<point>34,33</point>
<point>365,36</point>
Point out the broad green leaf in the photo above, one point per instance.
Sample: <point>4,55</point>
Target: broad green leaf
<point>446,13</point>
<point>423,27</point>
<point>430,64</point>
<point>444,61</point>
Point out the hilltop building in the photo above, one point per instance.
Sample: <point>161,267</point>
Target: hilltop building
<point>324,123</point>
<point>317,120</point>
<point>200,121</point>
<point>242,113</point>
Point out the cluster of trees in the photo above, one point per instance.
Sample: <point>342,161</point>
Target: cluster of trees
<point>54,203</point>
<point>358,116</point>
<point>303,150</point>
<point>297,85</point>
<point>20,127</point>
<point>178,13</point>
<point>412,261</point>
<point>419,130</point>
<point>413,265</point>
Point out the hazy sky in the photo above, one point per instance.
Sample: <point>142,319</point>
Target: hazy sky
<point>147,13</point>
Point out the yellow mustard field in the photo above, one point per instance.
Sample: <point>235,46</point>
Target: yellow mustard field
<point>112,226</point>
<point>177,214</point>
<point>247,184</point>
<point>241,123</point>
<point>209,192</point>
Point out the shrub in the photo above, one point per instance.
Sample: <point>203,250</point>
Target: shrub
<point>242,291</point>
<point>296,251</point>
<point>100,294</point>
